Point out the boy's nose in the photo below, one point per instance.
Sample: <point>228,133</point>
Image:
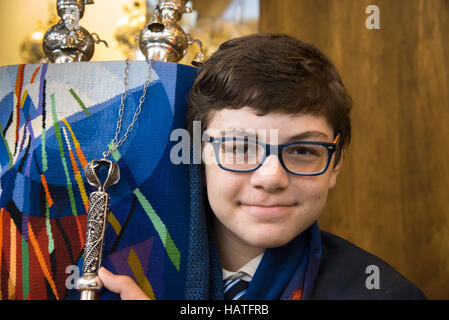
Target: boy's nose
<point>271,175</point>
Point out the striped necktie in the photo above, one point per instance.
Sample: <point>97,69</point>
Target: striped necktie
<point>235,289</point>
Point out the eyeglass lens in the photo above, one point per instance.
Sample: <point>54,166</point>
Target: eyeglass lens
<point>241,155</point>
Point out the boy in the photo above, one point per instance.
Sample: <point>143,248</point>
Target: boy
<point>275,119</point>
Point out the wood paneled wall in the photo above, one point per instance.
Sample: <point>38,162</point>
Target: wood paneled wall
<point>392,196</point>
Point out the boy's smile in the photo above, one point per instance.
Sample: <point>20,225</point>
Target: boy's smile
<point>268,207</point>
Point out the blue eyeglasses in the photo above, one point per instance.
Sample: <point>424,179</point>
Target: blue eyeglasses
<point>304,158</point>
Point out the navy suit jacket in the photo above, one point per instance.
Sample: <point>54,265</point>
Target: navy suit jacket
<point>343,274</point>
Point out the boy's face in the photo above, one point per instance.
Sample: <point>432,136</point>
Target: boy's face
<point>268,207</point>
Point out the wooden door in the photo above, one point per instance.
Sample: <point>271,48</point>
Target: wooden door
<point>392,195</point>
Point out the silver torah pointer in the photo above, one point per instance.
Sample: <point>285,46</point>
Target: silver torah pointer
<point>89,283</point>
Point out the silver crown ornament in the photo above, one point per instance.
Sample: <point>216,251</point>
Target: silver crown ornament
<point>163,38</point>
<point>67,41</point>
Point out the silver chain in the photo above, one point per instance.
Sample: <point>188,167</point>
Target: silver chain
<point>116,143</point>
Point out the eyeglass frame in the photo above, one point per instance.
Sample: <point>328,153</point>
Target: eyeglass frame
<point>331,148</point>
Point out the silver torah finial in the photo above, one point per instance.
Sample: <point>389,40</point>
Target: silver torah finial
<point>89,283</point>
<point>163,39</point>
<point>67,41</point>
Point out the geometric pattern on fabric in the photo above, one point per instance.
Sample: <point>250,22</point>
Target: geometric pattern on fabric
<point>235,289</point>
<point>54,118</point>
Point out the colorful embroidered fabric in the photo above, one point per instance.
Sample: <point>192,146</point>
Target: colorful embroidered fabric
<point>55,118</point>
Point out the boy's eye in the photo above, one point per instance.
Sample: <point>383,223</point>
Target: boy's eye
<point>305,152</point>
<point>238,147</point>
<point>240,154</point>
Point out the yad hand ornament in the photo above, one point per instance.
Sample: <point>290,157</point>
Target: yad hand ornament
<point>89,283</point>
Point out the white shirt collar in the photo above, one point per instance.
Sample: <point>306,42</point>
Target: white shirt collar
<point>246,272</point>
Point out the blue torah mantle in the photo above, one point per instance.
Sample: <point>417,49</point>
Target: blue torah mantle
<point>54,118</point>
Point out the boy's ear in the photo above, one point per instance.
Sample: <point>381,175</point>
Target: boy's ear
<point>336,170</point>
